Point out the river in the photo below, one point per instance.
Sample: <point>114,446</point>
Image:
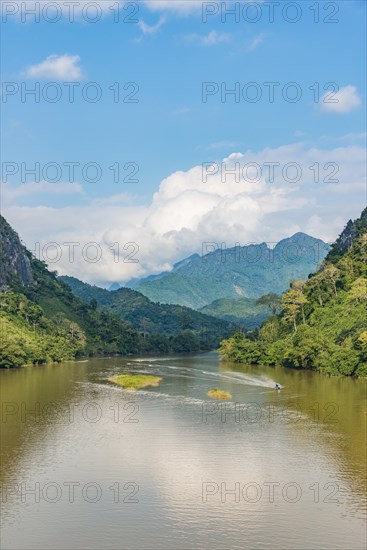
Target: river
<point>86,465</point>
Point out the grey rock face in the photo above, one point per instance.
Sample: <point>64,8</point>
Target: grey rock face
<point>15,265</point>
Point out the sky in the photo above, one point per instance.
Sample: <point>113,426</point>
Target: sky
<point>134,132</point>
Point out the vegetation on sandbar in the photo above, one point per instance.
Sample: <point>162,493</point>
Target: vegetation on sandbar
<point>216,393</point>
<point>133,382</point>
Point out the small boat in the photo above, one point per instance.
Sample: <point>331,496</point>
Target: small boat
<point>278,386</point>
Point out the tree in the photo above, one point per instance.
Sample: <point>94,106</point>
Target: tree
<point>300,286</point>
<point>240,349</point>
<point>347,267</point>
<point>271,300</point>
<point>361,344</point>
<point>93,304</point>
<point>358,292</point>
<point>331,274</point>
<point>12,355</point>
<point>292,303</point>
<point>315,285</point>
<point>185,342</point>
<point>269,332</point>
<point>186,321</point>
<point>338,360</point>
<point>145,325</point>
<point>304,348</point>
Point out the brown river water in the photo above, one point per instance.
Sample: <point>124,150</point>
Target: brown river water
<point>87,465</point>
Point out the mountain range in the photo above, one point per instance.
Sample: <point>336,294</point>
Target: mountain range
<point>322,323</point>
<point>49,318</point>
<point>241,272</point>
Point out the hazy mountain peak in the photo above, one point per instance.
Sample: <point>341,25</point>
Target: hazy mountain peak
<point>249,271</point>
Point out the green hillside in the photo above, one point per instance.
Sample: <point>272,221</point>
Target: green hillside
<point>244,272</point>
<point>149,317</point>
<point>41,320</point>
<point>243,311</point>
<point>323,323</point>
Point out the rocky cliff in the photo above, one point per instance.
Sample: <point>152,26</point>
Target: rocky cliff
<point>15,265</point>
<point>352,231</point>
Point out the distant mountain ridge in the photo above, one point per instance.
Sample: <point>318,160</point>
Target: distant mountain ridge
<point>135,282</point>
<point>144,315</point>
<point>250,272</point>
<point>322,323</point>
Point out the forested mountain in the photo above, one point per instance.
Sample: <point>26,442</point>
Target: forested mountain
<point>42,321</point>
<point>249,272</point>
<point>323,322</point>
<point>136,282</point>
<point>243,311</point>
<point>145,315</point>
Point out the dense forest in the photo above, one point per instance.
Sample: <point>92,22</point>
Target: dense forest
<point>322,324</point>
<point>245,312</point>
<point>42,321</point>
<point>147,316</point>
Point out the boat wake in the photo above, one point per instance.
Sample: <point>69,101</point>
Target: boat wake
<point>164,370</point>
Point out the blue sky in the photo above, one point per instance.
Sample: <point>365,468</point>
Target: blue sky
<point>168,53</point>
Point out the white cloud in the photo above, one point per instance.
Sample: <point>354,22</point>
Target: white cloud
<point>92,11</point>
<point>10,193</point>
<point>151,29</point>
<point>354,136</point>
<point>255,42</point>
<point>58,67</point>
<point>347,138</point>
<point>177,6</point>
<point>185,7</point>
<point>345,100</point>
<point>223,145</point>
<point>211,39</point>
<point>181,111</point>
<point>86,9</point>
<point>188,210</point>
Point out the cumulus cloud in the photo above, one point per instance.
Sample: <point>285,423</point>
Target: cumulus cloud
<point>229,201</point>
<point>57,67</point>
<point>345,100</point>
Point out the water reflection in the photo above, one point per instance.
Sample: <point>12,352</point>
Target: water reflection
<point>204,470</point>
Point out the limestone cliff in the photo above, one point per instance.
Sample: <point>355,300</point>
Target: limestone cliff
<point>15,265</point>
